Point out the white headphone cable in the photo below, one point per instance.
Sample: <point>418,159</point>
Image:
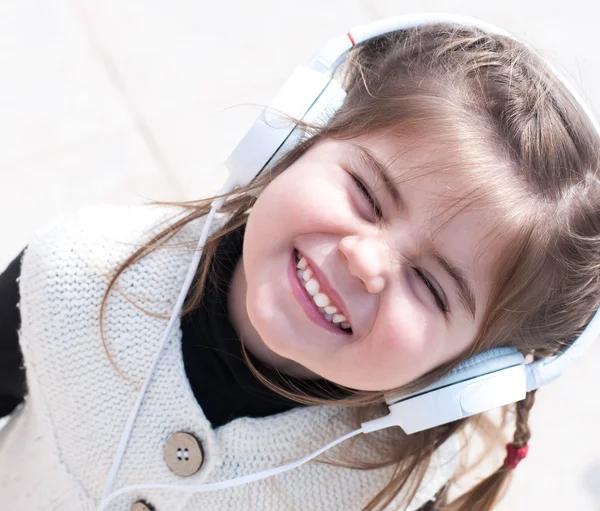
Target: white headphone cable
<point>215,206</point>
<point>229,483</point>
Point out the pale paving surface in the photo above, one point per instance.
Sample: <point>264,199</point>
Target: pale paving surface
<point>111,101</point>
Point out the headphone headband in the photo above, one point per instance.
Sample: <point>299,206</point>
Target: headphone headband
<point>334,52</point>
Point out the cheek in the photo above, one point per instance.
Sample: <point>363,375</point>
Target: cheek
<point>306,195</point>
<point>403,346</point>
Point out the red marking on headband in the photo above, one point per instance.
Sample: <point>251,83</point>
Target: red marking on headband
<point>351,38</point>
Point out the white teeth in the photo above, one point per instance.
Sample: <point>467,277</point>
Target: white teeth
<point>307,274</point>
<point>339,318</point>
<point>322,300</point>
<point>312,286</point>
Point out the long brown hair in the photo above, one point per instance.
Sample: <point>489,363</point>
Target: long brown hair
<point>525,142</point>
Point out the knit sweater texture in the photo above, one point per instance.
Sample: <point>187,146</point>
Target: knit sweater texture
<point>56,452</point>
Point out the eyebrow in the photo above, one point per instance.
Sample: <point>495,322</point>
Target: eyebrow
<point>461,285</point>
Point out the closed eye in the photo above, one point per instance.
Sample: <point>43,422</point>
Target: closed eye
<point>368,195</point>
<point>443,306</point>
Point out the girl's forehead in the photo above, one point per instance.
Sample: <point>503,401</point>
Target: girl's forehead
<point>443,176</point>
<point>440,179</point>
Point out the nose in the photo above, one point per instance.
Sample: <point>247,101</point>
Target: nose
<point>366,260</point>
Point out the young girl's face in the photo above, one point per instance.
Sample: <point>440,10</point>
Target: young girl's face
<point>413,301</point>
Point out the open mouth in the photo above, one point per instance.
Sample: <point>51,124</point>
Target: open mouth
<point>320,301</point>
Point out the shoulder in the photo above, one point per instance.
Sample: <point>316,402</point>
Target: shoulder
<point>73,322</point>
<point>101,237</point>
<point>70,261</point>
<point>125,224</point>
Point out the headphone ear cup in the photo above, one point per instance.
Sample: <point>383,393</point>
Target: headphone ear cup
<point>483,363</point>
<point>305,91</point>
<point>488,380</point>
<point>319,114</point>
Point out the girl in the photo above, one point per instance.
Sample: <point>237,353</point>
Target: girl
<point>448,207</point>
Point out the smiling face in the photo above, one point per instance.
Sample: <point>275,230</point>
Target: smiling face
<point>407,293</point>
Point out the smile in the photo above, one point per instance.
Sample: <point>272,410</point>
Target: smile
<point>318,305</point>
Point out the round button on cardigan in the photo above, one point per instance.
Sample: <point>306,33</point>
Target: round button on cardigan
<point>183,454</point>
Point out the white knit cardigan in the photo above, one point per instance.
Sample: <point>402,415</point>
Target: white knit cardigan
<point>57,450</point>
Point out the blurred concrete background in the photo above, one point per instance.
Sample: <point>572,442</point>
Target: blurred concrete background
<point>122,102</point>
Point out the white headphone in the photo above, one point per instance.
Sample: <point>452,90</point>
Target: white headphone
<point>486,381</point>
